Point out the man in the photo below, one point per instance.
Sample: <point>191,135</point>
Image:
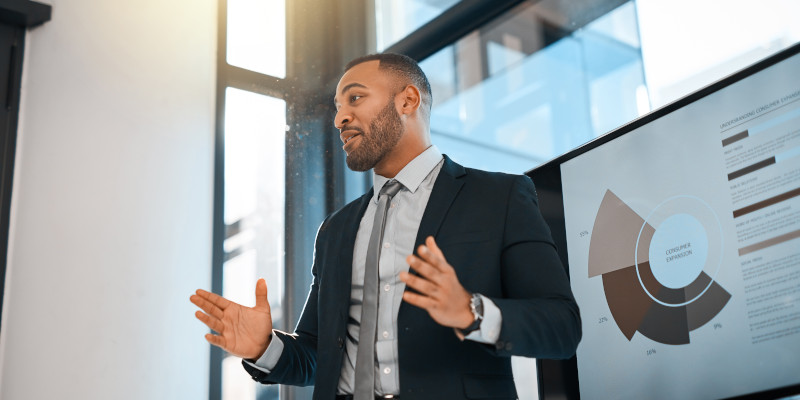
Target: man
<point>485,282</point>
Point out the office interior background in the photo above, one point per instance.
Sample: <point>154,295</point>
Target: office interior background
<point>164,146</point>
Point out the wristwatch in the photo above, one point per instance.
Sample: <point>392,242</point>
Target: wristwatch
<point>476,306</point>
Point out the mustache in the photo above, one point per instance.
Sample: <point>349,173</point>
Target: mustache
<point>351,128</point>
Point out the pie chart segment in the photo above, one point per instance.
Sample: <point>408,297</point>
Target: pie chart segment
<point>656,289</point>
<point>706,307</point>
<point>628,302</point>
<point>614,234</point>
<point>668,325</point>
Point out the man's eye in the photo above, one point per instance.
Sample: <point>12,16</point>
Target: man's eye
<point>354,98</point>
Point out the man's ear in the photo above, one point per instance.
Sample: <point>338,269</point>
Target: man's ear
<point>410,100</point>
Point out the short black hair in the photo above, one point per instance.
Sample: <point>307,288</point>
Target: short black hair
<point>406,68</point>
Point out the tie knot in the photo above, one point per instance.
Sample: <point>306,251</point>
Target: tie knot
<point>391,188</point>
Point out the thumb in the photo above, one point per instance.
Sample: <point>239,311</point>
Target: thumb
<point>261,295</point>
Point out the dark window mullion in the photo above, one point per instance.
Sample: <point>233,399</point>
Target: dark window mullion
<point>453,24</point>
<point>255,82</point>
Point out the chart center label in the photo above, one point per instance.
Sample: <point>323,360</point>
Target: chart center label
<point>678,251</point>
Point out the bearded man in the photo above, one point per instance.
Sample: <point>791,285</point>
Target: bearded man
<point>425,286</point>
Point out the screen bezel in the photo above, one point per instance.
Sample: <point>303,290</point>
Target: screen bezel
<point>559,378</point>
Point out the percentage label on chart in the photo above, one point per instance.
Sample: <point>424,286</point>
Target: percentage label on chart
<point>584,233</point>
<point>602,319</point>
<point>651,352</point>
<point>717,326</point>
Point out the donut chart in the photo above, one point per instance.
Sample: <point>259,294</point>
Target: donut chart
<point>658,271</point>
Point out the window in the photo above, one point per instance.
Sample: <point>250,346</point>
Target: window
<point>395,19</point>
<point>251,170</point>
<point>254,216</point>
<point>522,89</point>
<point>257,36</point>
<point>713,40</point>
<point>546,77</point>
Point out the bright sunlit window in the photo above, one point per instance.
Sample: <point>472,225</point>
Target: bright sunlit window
<point>257,36</point>
<point>715,39</point>
<point>255,130</point>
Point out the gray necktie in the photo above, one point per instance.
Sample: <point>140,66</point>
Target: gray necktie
<point>365,358</point>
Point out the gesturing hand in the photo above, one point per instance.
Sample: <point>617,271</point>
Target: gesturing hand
<point>242,331</point>
<point>440,292</point>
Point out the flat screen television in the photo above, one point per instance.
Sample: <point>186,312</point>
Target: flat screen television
<point>680,232</point>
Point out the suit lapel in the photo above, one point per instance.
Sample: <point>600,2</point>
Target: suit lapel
<point>346,244</point>
<point>443,194</point>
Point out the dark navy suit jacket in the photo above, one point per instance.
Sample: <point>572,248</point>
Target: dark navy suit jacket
<point>489,228</point>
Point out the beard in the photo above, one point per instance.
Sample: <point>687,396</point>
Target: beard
<point>385,131</point>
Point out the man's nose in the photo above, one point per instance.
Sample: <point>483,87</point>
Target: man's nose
<point>342,118</point>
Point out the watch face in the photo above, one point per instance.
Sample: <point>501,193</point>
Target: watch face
<point>476,304</point>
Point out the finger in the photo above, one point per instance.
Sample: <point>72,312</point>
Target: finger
<point>207,306</point>
<point>423,268</point>
<point>431,243</point>
<point>211,322</point>
<point>262,301</point>
<point>418,300</point>
<point>436,253</point>
<point>214,298</point>
<point>430,257</point>
<point>421,285</point>
<point>216,340</point>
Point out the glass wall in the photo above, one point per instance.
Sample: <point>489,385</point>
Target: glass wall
<point>546,77</point>
<point>395,19</point>
<point>520,91</point>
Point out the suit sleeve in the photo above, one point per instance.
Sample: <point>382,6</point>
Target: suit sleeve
<point>540,316</point>
<point>297,363</point>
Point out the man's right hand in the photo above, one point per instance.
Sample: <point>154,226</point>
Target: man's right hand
<point>242,331</point>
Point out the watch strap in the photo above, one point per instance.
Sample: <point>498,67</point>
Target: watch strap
<point>476,306</point>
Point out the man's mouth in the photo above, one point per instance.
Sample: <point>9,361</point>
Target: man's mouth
<point>348,135</point>
<point>351,143</point>
<point>347,139</point>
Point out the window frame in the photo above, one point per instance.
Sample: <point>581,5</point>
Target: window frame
<point>236,77</point>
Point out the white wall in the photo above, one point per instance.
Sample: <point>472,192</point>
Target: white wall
<point>112,204</point>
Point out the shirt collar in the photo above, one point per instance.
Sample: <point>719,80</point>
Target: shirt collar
<point>412,175</point>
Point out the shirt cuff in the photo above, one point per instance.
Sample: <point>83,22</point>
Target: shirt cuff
<point>489,330</point>
<point>269,359</point>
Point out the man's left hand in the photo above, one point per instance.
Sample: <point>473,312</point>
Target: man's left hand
<point>439,291</point>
